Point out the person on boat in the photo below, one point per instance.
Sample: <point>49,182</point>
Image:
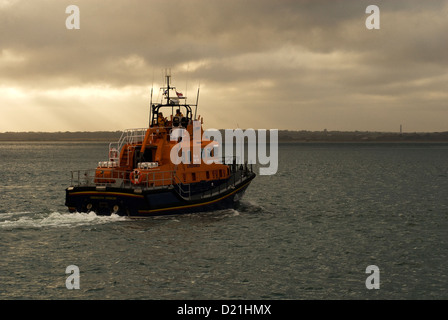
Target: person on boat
<point>178,113</point>
<point>161,121</point>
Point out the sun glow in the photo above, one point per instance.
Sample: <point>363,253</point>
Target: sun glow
<point>77,108</point>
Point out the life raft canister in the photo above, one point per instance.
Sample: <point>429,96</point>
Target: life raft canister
<point>136,176</point>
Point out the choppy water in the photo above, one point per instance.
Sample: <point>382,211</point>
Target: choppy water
<point>308,232</point>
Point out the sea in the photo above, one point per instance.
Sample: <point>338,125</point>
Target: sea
<point>337,221</point>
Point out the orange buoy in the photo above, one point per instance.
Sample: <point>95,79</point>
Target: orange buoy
<point>136,176</point>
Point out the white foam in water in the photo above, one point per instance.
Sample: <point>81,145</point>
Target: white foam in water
<point>250,205</point>
<point>233,212</point>
<point>55,219</point>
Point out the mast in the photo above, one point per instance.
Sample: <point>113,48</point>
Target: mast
<point>150,102</point>
<point>150,109</point>
<point>167,90</point>
<point>168,76</point>
<point>196,106</point>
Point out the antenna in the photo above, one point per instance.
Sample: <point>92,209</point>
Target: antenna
<point>150,107</point>
<point>168,77</point>
<point>186,84</point>
<point>197,100</point>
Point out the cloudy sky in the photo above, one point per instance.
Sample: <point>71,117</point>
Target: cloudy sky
<point>262,64</point>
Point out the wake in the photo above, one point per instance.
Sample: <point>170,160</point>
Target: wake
<point>29,220</point>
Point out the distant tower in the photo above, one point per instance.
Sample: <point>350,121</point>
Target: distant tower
<point>401,131</point>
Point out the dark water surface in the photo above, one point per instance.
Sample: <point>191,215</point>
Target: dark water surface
<point>308,232</point>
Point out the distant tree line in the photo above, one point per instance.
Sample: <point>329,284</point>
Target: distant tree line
<point>61,136</point>
<point>361,136</point>
<point>283,136</point>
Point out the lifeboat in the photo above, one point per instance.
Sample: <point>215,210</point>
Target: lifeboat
<point>148,172</point>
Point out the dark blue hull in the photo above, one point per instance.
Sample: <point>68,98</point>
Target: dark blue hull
<point>145,203</point>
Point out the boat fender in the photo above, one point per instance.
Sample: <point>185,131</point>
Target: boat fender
<point>136,177</point>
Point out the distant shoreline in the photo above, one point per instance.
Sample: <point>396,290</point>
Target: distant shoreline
<point>284,136</point>
<point>84,136</point>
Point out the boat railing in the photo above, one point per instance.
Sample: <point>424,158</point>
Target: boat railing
<point>238,176</point>
<point>184,190</point>
<point>128,136</point>
<point>121,179</point>
<point>153,180</point>
<point>236,165</point>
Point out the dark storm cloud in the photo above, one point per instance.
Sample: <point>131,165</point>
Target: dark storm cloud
<point>170,33</point>
<point>320,51</point>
